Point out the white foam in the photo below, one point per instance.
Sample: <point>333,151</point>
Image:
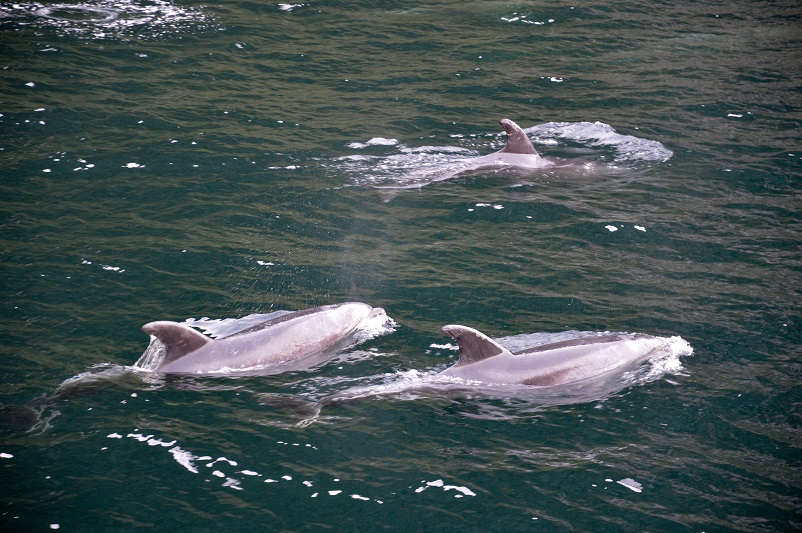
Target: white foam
<point>232,483</point>
<point>462,491</point>
<point>223,459</point>
<point>96,19</point>
<point>159,442</point>
<point>627,147</point>
<point>184,458</point>
<point>375,141</point>
<point>448,346</point>
<point>374,326</point>
<point>289,7</point>
<point>631,484</point>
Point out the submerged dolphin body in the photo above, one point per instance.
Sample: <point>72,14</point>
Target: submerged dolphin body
<point>279,340</point>
<point>483,359</point>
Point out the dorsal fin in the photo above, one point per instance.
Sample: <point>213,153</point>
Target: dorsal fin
<point>178,339</point>
<point>517,140</point>
<point>474,346</point>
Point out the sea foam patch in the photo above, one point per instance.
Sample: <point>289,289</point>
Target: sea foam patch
<point>118,19</point>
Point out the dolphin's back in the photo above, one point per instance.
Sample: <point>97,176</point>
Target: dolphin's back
<point>274,341</point>
<point>548,365</point>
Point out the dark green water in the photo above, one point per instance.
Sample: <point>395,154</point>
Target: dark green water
<point>166,161</point>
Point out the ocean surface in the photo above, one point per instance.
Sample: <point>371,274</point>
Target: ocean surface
<point>172,160</point>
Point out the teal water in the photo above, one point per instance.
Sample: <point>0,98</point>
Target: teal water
<point>165,160</point>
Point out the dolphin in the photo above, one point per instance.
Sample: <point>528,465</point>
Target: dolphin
<point>279,340</point>
<point>518,156</point>
<point>484,360</point>
<point>569,371</point>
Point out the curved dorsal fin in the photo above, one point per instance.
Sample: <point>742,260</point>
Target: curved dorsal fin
<point>178,339</point>
<point>517,140</point>
<point>474,346</point>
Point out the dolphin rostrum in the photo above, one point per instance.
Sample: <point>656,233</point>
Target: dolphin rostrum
<point>483,359</point>
<point>278,340</point>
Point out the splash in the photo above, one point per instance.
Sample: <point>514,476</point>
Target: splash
<point>152,357</point>
<point>599,134</point>
<point>117,19</point>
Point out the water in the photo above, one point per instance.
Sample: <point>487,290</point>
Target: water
<point>166,161</point>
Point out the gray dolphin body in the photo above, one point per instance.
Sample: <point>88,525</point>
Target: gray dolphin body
<point>275,341</point>
<point>517,156</point>
<point>484,360</point>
